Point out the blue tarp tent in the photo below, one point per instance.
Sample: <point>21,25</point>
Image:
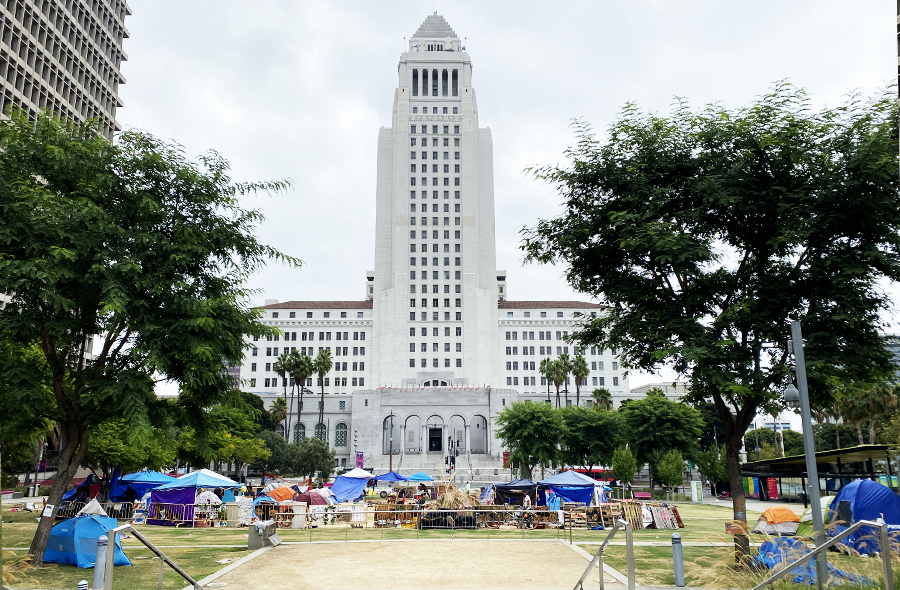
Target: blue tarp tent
<point>202,478</point>
<point>80,492</point>
<point>348,488</point>
<point>141,482</point>
<point>74,541</point>
<point>390,476</point>
<point>571,486</point>
<point>420,476</point>
<point>772,553</point>
<point>864,499</point>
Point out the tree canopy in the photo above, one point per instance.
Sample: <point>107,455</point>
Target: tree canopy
<point>590,436</point>
<point>125,264</point>
<point>707,231</point>
<point>531,432</point>
<point>655,423</point>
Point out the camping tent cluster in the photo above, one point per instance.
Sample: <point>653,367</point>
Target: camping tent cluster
<point>568,486</point>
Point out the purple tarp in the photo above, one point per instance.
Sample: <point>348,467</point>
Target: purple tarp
<point>171,507</point>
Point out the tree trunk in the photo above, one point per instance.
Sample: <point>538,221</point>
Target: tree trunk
<point>859,431</point>
<point>837,434</point>
<point>871,432</point>
<point>290,411</point>
<point>557,398</point>
<point>300,406</point>
<point>577,392</point>
<point>738,499</point>
<point>70,458</point>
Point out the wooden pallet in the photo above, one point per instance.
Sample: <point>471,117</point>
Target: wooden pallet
<point>631,512</point>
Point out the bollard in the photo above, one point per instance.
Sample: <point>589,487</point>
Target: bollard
<point>100,561</point>
<point>678,558</point>
<point>82,585</point>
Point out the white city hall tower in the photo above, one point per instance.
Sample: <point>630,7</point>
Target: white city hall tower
<point>435,282</point>
<point>424,364</point>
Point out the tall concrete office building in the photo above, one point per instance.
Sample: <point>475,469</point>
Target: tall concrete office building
<point>437,349</point>
<point>65,56</point>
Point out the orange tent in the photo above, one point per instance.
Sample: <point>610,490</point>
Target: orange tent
<point>281,494</point>
<point>777,520</point>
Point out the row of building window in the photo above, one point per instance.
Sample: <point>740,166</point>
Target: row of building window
<point>434,181</point>
<point>434,248</point>
<point>434,156</point>
<point>309,315</point>
<point>423,141</point>
<point>434,261</point>
<point>423,346</point>
<point>434,289</point>
<point>434,194</point>
<point>434,316</point>
<point>434,110</point>
<point>338,382</point>
<point>434,332</point>
<point>515,381</point>
<point>423,363</point>
<point>292,336</point>
<point>434,302</point>
<point>434,275</point>
<point>434,208</point>
<point>304,350</point>
<point>456,221</point>
<point>434,129</point>
<point>357,366</point>
<point>434,236</point>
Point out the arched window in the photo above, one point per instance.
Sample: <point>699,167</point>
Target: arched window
<point>478,435</point>
<point>457,433</point>
<point>321,432</point>
<point>390,439</point>
<point>413,442</point>
<point>299,431</point>
<point>435,427</point>
<point>280,429</point>
<point>340,435</point>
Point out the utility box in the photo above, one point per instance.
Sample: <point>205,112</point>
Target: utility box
<point>262,534</point>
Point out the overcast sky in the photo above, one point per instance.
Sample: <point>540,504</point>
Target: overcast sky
<point>298,89</point>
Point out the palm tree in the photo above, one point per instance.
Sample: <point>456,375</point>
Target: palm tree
<point>602,398</point>
<point>580,370</point>
<point>290,364</point>
<point>278,412</point>
<point>280,366</point>
<point>321,366</point>
<point>558,374</point>
<point>545,368</point>
<point>302,371</point>
<point>565,367</point>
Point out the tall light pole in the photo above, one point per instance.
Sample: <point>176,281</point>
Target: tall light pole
<point>793,398</point>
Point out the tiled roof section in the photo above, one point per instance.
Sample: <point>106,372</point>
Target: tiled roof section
<point>435,27</point>
<point>548,305</point>
<point>320,305</point>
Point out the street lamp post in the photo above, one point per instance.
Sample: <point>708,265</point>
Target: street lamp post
<point>795,398</point>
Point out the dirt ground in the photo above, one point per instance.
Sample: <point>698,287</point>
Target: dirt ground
<point>407,566</point>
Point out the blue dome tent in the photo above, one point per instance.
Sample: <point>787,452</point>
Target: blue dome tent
<point>74,541</point>
<point>572,486</point>
<point>864,499</point>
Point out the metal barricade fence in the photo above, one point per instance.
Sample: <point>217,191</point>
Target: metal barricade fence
<point>117,510</point>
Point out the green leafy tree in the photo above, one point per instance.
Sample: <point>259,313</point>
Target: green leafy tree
<point>624,465</point>
<point>245,451</point>
<point>713,429</point>
<point>670,469</point>
<point>281,366</point>
<point>531,432</point>
<point>602,398</point>
<point>589,437</point>
<point>109,446</point>
<point>314,457</point>
<point>281,458</point>
<point>707,231</point>
<point>322,365</point>
<point>558,374</point>
<point>711,463</point>
<point>256,410</point>
<point>580,371</point>
<point>656,423</point>
<point>132,245</point>
<point>793,442</point>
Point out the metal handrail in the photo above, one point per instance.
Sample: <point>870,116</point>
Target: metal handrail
<point>163,559</point>
<point>598,557</point>
<point>884,542</point>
